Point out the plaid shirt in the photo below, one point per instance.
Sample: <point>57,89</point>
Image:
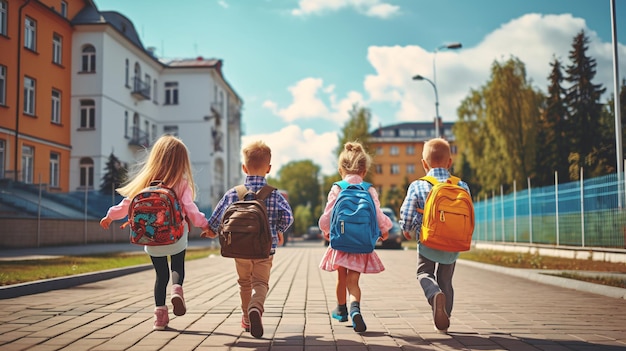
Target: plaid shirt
<point>278,209</point>
<point>411,220</point>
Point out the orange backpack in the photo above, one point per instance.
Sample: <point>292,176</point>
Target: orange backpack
<point>448,222</point>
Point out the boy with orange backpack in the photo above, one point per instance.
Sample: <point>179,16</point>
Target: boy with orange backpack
<point>439,208</point>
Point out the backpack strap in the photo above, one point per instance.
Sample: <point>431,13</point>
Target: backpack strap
<point>344,184</point>
<point>260,195</point>
<point>432,181</point>
<point>241,191</point>
<point>264,192</point>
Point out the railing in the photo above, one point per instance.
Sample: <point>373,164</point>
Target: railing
<point>139,138</point>
<point>141,89</point>
<point>582,214</point>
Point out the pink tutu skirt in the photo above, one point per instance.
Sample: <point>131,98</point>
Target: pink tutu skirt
<point>363,263</point>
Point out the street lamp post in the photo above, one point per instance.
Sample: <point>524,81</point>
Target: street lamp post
<point>418,77</point>
<point>451,46</point>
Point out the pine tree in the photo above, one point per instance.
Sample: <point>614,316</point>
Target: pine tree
<point>552,134</point>
<point>584,109</point>
<point>114,176</point>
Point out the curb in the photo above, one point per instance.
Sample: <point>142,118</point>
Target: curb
<point>44,285</point>
<point>537,276</point>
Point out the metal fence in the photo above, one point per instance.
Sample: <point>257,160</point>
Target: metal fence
<point>586,213</point>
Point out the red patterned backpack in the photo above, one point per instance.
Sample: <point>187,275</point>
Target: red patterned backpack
<point>155,216</point>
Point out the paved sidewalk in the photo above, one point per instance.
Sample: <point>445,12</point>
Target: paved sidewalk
<point>493,311</point>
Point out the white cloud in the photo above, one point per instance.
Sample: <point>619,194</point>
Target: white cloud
<point>534,39</point>
<point>222,3</point>
<point>371,8</point>
<point>311,99</point>
<point>292,143</point>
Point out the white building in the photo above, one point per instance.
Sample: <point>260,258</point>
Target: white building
<point>124,98</point>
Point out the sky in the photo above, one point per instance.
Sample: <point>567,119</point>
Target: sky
<point>300,65</point>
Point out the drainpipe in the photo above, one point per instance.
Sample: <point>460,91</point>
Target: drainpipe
<point>17,87</point>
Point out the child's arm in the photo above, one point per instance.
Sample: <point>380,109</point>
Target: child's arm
<point>208,233</point>
<point>114,213</point>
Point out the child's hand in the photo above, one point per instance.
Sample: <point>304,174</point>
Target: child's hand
<point>407,236</point>
<point>208,233</point>
<point>384,236</point>
<point>105,222</point>
<point>281,239</point>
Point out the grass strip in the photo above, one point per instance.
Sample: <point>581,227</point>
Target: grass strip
<point>21,271</point>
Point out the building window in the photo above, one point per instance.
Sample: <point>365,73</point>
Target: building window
<point>126,124</point>
<point>148,81</point>
<point>379,169</point>
<point>54,169</point>
<point>137,77</point>
<point>407,133</point>
<point>28,153</point>
<point>171,93</point>
<point>154,84</point>
<point>29,96</point>
<point>64,9</point>
<point>57,46</point>
<point>3,85</point>
<point>88,59</point>
<point>127,73</point>
<point>30,33</point>
<point>86,172</point>
<point>3,153</point>
<point>146,125</point>
<point>87,114</point>
<point>154,132</point>
<point>56,107</point>
<point>388,133</point>
<point>379,150</point>
<point>395,169</point>
<point>170,130</point>
<point>410,169</point>
<point>3,17</point>
<point>394,151</point>
<point>410,150</point>
<point>453,149</point>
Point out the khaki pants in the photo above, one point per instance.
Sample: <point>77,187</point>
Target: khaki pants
<point>254,277</point>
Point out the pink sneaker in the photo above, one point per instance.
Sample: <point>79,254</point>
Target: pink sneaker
<point>161,319</point>
<point>245,324</point>
<point>178,301</point>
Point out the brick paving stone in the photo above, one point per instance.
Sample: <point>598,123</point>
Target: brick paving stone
<point>492,311</point>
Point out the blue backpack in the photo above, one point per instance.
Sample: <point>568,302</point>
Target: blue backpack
<point>353,221</point>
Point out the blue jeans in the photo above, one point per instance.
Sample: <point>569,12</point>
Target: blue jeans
<point>436,277</point>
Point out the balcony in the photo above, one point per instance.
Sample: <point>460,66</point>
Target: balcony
<point>141,89</point>
<point>234,115</point>
<point>139,138</point>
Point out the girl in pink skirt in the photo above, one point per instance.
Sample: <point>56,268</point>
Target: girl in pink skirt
<point>353,165</point>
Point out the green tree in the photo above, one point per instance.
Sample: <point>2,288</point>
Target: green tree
<point>582,100</point>
<point>115,174</point>
<point>300,180</point>
<point>357,128</point>
<point>607,123</point>
<point>552,132</point>
<point>302,219</point>
<point>497,128</point>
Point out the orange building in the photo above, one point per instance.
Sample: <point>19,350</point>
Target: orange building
<point>35,90</point>
<point>398,157</point>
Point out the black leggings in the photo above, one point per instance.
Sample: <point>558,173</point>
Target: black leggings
<point>163,274</point>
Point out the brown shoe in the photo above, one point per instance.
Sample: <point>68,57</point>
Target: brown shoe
<point>440,316</point>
